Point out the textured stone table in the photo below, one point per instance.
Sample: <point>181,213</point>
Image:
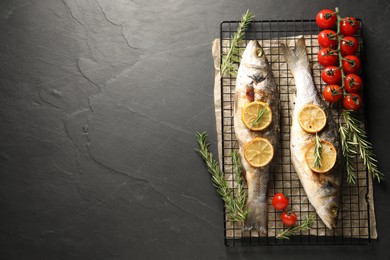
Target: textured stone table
<point>99,103</point>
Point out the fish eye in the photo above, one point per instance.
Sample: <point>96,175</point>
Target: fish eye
<point>260,52</point>
<point>335,211</point>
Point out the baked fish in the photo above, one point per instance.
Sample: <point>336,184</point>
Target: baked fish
<point>255,86</point>
<point>322,189</point>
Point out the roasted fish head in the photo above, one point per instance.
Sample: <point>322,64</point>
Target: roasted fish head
<point>254,56</point>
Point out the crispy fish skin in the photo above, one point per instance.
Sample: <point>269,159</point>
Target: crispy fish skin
<point>255,82</point>
<point>322,189</point>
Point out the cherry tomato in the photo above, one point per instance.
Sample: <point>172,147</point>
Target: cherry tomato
<point>289,219</point>
<point>352,101</point>
<point>331,75</point>
<point>279,201</point>
<point>352,83</point>
<point>327,57</point>
<point>349,26</point>
<point>327,38</point>
<point>326,19</point>
<point>332,93</point>
<point>349,45</point>
<point>350,64</point>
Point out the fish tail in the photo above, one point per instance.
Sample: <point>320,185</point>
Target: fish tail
<point>257,200</point>
<point>296,58</point>
<point>257,216</point>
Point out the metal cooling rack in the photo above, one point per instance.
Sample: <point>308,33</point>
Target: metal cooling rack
<point>353,226</point>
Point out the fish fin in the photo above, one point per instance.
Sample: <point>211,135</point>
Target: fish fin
<point>296,58</point>
<point>257,217</point>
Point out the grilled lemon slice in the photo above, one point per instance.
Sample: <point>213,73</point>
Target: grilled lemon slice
<point>258,152</point>
<point>312,118</point>
<point>256,115</point>
<point>328,156</point>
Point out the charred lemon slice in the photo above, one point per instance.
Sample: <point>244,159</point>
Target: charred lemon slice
<point>258,152</point>
<point>328,156</point>
<point>312,118</point>
<point>256,115</point>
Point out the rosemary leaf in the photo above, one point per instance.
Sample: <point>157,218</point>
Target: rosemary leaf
<point>305,225</point>
<point>258,117</point>
<point>234,202</point>
<point>227,62</point>
<point>357,136</point>
<point>317,153</point>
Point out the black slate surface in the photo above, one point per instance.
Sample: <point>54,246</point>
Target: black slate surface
<point>99,103</point>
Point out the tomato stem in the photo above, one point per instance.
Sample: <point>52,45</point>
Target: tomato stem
<point>339,39</point>
<point>355,99</point>
<point>329,52</point>
<point>350,21</point>
<point>336,92</point>
<point>329,15</point>
<point>352,62</point>
<point>348,42</point>
<point>332,36</point>
<point>352,82</point>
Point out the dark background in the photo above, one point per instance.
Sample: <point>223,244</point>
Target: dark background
<point>99,104</point>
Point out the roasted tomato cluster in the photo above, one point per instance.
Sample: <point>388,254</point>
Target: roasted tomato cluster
<point>338,57</point>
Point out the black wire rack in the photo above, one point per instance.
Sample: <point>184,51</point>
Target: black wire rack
<point>354,223</point>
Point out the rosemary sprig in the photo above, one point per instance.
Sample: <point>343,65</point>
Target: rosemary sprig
<point>305,225</point>
<point>227,63</point>
<point>258,117</point>
<point>235,205</point>
<point>349,153</point>
<point>317,153</point>
<point>239,213</point>
<point>357,137</point>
